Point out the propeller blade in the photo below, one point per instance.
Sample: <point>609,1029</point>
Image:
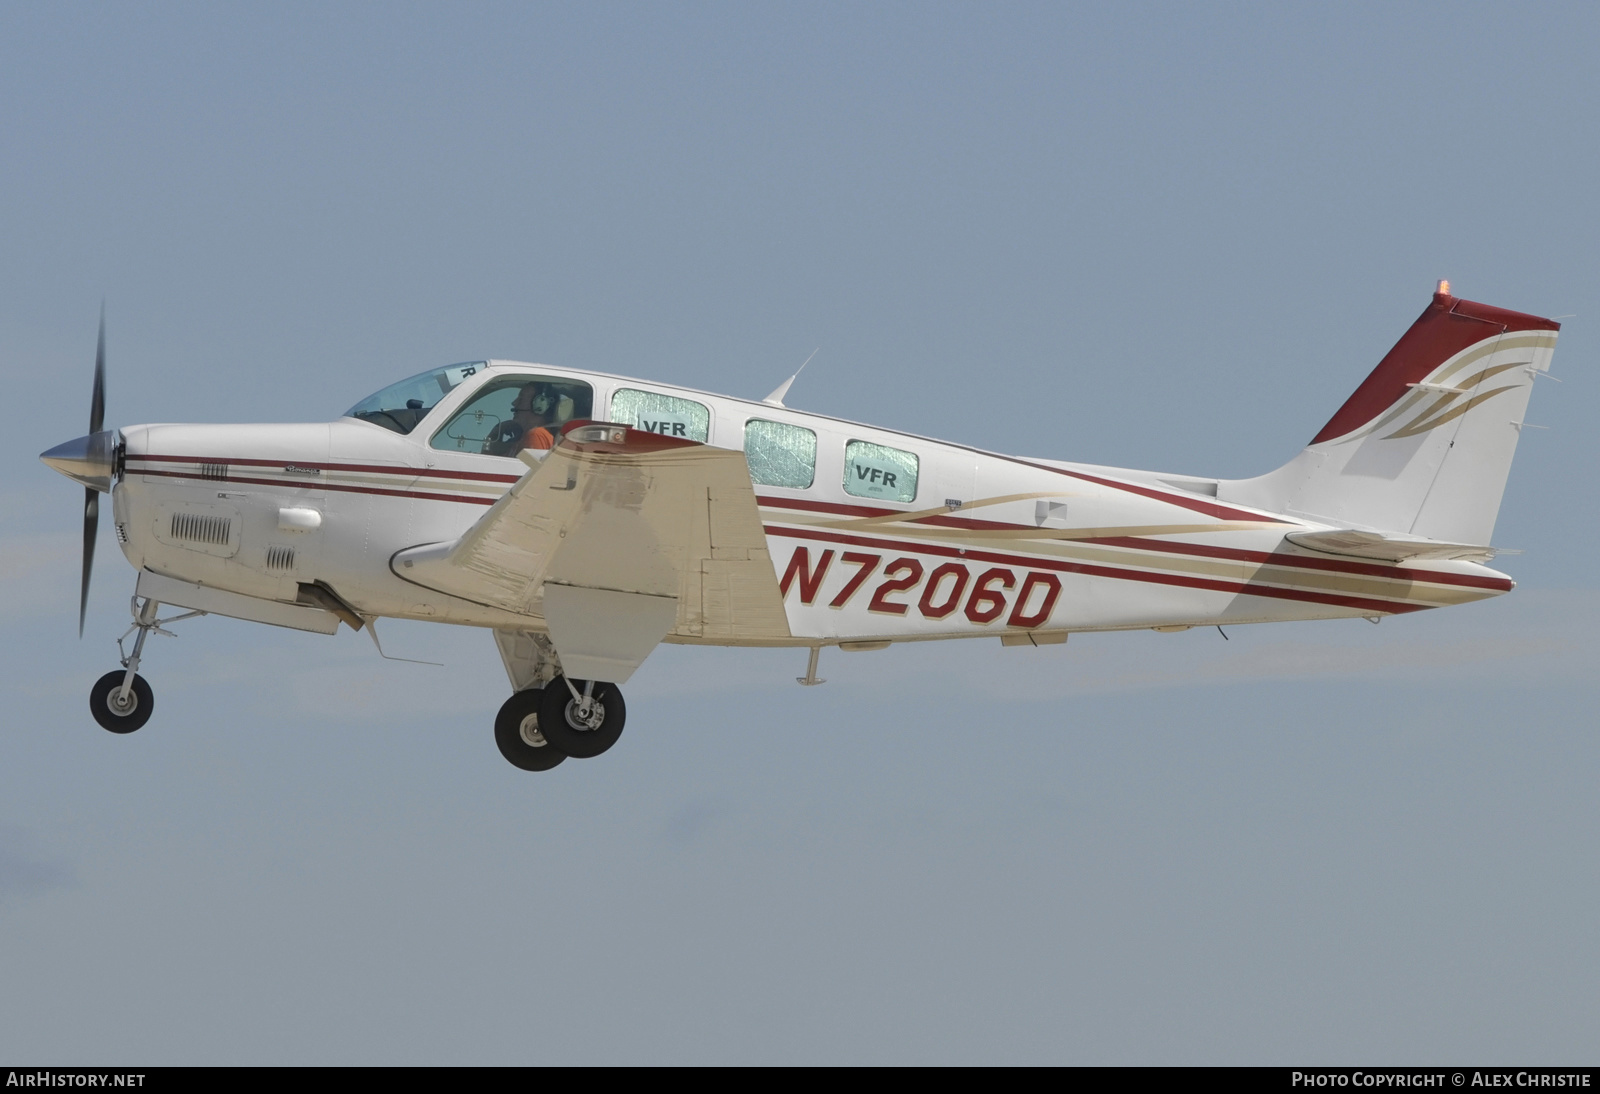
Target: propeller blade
<point>91,526</point>
<point>97,402</point>
<point>91,497</point>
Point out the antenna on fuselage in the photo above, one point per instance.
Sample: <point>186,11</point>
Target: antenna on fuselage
<point>776,398</point>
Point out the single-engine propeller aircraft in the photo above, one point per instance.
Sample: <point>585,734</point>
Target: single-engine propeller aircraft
<point>584,518</point>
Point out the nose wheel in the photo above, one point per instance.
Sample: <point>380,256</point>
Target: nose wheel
<point>121,701</point>
<point>120,706</point>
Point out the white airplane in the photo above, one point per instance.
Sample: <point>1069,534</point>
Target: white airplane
<point>584,518</point>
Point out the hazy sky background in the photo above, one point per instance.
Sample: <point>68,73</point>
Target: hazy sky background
<point>1168,236</point>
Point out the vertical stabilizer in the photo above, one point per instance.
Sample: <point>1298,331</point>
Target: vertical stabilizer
<point>1424,445</point>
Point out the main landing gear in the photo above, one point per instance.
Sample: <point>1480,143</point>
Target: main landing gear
<point>538,728</point>
<point>120,700</point>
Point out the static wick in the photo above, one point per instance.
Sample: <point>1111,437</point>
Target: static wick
<point>1224,633</point>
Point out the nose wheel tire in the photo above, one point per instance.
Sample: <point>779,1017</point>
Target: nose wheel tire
<point>119,711</point>
<point>579,733</point>
<point>516,731</point>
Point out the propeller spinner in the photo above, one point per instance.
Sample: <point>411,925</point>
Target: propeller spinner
<point>91,460</point>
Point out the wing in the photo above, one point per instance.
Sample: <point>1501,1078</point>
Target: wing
<point>616,539</point>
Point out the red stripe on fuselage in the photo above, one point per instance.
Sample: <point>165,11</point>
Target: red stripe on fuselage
<point>1092,570</point>
<point>1302,562</point>
<point>376,469</point>
<point>1236,554</point>
<point>424,495</point>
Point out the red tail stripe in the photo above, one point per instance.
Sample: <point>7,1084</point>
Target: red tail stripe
<point>1304,562</point>
<point>1090,570</point>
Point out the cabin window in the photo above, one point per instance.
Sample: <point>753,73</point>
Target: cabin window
<point>875,471</point>
<point>780,454</point>
<point>513,413</point>
<point>663,414</point>
<point>401,406</point>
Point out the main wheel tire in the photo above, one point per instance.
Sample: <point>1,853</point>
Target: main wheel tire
<point>133,712</point>
<point>516,731</point>
<point>566,729</point>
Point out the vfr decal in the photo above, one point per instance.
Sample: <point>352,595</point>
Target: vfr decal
<point>876,475</point>
<point>665,428</point>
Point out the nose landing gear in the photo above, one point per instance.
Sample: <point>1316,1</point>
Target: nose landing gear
<point>121,701</point>
<point>119,704</point>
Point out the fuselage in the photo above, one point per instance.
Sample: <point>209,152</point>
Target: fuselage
<point>872,535</point>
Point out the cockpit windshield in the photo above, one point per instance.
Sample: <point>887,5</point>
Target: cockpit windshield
<point>401,406</point>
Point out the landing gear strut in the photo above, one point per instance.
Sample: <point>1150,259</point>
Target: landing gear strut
<point>582,721</point>
<point>121,701</point>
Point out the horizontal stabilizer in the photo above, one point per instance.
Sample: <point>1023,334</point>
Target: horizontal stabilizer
<point>1387,548</point>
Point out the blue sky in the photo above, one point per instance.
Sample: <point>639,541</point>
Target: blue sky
<point>1158,236</point>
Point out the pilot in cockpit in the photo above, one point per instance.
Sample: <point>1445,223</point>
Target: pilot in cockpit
<point>530,419</point>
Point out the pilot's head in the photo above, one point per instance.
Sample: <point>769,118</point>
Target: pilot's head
<point>528,408</point>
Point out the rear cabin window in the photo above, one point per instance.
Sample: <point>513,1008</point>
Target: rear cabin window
<point>876,471</point>
<point>514,413</point>
<point>663,414</point>
<point>780,454</point>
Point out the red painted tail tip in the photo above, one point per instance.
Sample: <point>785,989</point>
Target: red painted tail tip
<point>1446,327</point>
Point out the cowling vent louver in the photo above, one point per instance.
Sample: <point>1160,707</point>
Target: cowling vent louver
<point>199,528</point>
<point>210,470</point>
<point>280,559</point>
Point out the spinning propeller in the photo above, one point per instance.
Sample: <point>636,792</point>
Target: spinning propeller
<point>90,460</point>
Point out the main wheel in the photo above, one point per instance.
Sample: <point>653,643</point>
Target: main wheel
<point>121,713</point>
<point>564,724</point>
<point>516,731</point>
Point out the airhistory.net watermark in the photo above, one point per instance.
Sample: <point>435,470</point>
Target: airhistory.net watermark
<point>47,1077</point>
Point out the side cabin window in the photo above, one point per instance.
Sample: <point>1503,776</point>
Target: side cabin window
<point>664,414</point>
<point>513,413</point>
<point>780,454</point>
<point>876,471</point>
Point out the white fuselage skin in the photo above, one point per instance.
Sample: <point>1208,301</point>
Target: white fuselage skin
<point>990,544</point>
